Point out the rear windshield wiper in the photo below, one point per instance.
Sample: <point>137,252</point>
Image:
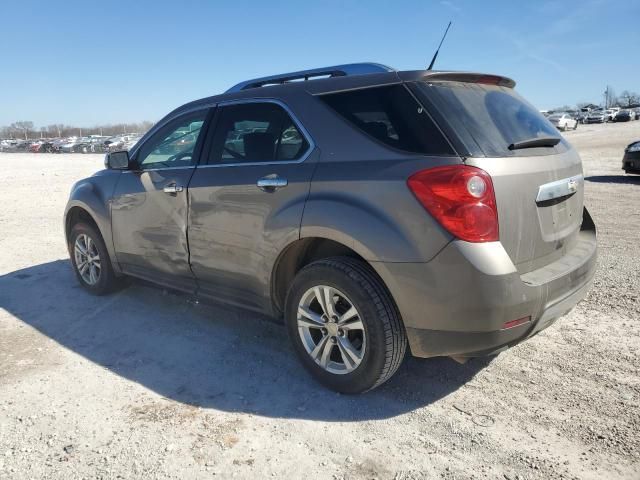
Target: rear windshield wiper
<point>535,142</point>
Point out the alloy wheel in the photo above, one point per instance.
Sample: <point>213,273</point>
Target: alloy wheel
<point>87,259</point>
<point>331,329</point>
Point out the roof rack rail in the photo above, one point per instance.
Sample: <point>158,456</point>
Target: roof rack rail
<point>335,71</point>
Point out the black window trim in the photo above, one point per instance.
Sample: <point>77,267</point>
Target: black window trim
<point>303,131</point>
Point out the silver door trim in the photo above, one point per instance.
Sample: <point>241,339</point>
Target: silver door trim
<point>559,188</point>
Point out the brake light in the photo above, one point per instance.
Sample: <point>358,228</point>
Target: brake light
<point>461,198</point>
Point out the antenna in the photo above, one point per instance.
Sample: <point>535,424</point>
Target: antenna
<point>433,60</point>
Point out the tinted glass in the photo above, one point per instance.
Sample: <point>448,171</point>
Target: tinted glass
<point>256,132</point>
<point>392,116</point>
<point>173,144</point>
<point>493,117</point>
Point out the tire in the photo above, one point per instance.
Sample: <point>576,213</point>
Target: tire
<point>106,281</point>
<point>382,339</point>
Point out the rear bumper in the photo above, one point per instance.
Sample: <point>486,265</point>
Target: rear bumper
<point>458,303</point>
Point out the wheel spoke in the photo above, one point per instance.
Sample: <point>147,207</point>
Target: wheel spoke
<point>350,356</point>
<point>83,269</point>
<point>355,324</point>
<point>81,248</point>
<point>308,318</point>
<point>328,301</point>
<point>322,351</point>
<point>321,300</point>
<point>348,315</point>
<point>93,274</point>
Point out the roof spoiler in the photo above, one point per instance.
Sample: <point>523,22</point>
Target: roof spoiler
<point>470,78</point>
<point>334,71</point>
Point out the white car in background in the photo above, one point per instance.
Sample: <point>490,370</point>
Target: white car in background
<point>563,121</point>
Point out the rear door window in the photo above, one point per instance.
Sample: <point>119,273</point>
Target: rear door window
<point>391,116</point>
<point>256,132</point>
<point>491,117</point>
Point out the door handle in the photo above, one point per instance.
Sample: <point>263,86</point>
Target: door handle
<point>172,189</point>
<point>271,183</point>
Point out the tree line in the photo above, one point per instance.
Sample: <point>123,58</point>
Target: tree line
<point>27,130</point>
<point>626,99</point>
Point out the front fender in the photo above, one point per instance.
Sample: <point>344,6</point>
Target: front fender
<point>93,195</point>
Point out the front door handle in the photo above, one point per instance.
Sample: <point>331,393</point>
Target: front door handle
<point>172,189</point>
<point>271,183</point>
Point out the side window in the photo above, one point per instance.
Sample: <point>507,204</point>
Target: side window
<point>392,116</point>
<point>256,132</point>
<point>173,144</point>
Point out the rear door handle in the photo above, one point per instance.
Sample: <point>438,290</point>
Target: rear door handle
<point>271,183</point>
<point>172,189</point>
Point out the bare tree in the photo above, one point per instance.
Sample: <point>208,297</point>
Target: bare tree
<point>628,98</point>
<point>23,126</point>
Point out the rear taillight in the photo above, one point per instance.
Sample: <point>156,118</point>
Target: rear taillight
<point>461,199</point>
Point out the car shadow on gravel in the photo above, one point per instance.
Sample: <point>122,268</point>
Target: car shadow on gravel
<point>623,179</point>
<point>207,356</point>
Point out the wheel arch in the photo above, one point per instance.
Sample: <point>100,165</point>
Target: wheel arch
<point>304,251</point>
<point>94,213</point>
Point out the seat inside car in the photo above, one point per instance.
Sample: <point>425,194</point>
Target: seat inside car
<point>259,146</point>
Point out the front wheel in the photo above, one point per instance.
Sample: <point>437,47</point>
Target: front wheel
<point>344,326</point>
<point>90,260</point>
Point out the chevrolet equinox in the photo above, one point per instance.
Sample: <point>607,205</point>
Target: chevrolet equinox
<point>371,209</point>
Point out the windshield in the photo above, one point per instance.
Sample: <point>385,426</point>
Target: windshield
<point>555,117</point>
<point>491,116</point>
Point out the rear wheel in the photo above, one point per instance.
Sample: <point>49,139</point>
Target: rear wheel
<point>90,260</point>
<point>344,325</point>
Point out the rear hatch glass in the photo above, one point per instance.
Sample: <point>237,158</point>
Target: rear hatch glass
<point>487,119</point>
<point>539,189</point>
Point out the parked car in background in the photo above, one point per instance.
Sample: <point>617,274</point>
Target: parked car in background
<point>8,145</point>
<point>291,221</point>
<point>563,121</point>
<point>597,116</point>
<point>41,146</point>
<point>581,117</point>
<point>631,158</point>
<point>611,113</point>
<point>623,116</point>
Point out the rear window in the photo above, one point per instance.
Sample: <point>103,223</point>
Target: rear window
<point>392,116</point>
<point>490,116</point>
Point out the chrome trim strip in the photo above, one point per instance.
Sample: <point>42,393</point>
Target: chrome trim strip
<point>559,188</point>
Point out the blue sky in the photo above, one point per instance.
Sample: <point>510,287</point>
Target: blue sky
<point>87,62</point>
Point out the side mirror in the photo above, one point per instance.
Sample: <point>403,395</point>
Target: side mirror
<point>117,160</point>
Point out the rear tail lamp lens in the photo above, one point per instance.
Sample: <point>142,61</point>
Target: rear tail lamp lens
<point>461,198</point>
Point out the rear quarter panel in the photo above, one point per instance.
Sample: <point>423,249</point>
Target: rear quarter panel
<point>366,205</point>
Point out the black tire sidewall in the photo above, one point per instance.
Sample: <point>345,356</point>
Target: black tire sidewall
<point>366,375</point>
<point>107,278</point>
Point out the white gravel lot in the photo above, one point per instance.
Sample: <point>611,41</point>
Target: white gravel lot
<point>148,384</point>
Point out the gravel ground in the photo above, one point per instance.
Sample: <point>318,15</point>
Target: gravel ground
<point>148,384</point>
